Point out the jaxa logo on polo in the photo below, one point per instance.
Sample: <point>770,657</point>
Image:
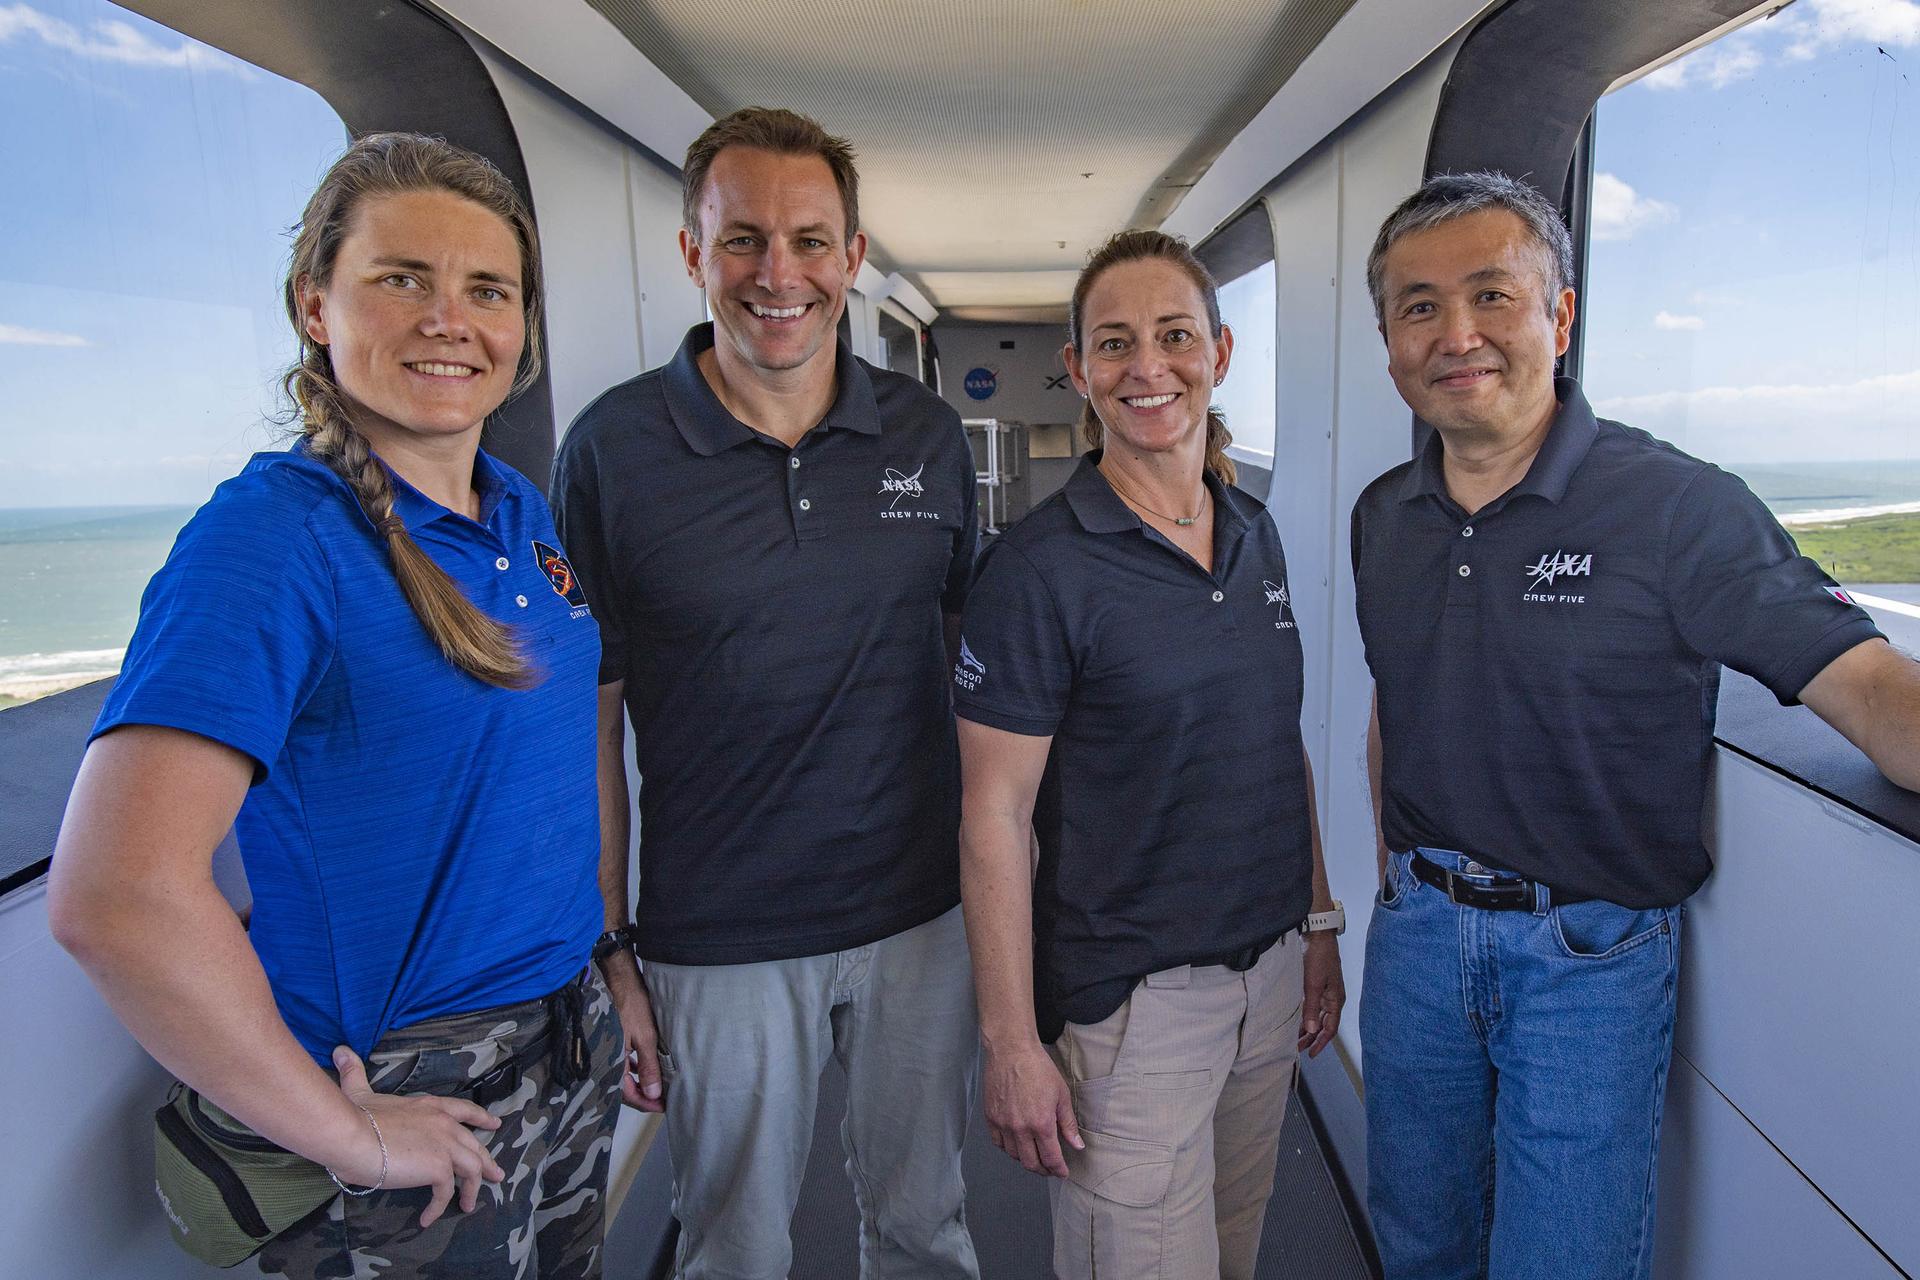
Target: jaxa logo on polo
<point>1549,568</point>
<point>560,573</point>
<point>901,485</point>
<point>1277,594</point>
<point>969,671</point>
<point>1839,594</point>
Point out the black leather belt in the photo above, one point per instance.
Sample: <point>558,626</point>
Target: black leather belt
<point>1489,894</point>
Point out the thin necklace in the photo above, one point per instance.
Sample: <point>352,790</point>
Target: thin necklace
<point>1182,521</point>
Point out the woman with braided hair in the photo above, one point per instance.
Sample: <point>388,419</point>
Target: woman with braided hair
<point>367,656</point>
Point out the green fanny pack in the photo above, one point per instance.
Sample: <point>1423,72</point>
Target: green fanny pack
<point>226,1190</point>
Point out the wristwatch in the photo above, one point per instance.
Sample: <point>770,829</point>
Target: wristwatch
<point>1321,921</point>
<point>612,940</point>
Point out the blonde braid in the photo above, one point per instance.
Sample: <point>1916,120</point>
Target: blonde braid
<point>471,640</point>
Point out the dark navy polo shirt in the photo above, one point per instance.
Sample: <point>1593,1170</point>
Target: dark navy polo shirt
<point>1172,816</point>
<point>1547,668</point>
<point>776,615</point>
<point>418,842</point>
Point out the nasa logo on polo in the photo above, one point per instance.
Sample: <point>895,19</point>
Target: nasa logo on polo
<point>1277,594</point>
<point>902,484</point>
<point>560,574</point>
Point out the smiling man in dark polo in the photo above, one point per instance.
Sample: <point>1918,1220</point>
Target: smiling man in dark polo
<point>772,534</point>
<point>1546,600</point>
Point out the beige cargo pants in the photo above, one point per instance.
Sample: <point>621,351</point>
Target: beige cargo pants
<point>1180,1096</point>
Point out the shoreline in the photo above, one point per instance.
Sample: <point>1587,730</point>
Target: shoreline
<point>1845,515</point>
<point>17,692</point>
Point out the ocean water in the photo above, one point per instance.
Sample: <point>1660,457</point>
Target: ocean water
<point>71,577</point>
<point>1837,488</point>
<point>70,584</point>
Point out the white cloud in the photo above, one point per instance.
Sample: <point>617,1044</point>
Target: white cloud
<point>110,40</point>
<point>1871,418</point>
<point>1716,66</point>
<point>1619,210</point>
<point>1806,30</point>
<point>15,335</point>
<point>1672,323</point>
<point>1815,26</point>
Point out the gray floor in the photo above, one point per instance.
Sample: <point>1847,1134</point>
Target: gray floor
<point>1306,1236</point>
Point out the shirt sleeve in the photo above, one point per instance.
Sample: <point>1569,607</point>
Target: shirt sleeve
<point>1742,594</point>
<point>1015,670</point>
<point>579,517</point>
<point>236,631</point>
<point>966,542</point>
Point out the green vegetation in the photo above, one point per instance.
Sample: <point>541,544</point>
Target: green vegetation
<point>6,702</point>
<point>1872,549</point>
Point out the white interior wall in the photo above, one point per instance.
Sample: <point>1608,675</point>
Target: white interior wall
<point>618,300</point>
<point>1338,424</point>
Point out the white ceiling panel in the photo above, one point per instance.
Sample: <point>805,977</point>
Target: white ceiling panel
<point>1005,137</point>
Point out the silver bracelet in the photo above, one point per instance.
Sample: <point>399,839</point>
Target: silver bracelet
<point>379,1182</point>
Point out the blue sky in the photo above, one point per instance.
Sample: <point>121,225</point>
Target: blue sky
<point>1754,281</point>
<point>1755,269</point>
<point>150,185</point>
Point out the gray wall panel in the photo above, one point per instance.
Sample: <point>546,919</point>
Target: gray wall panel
<point>1731,1207</point>
<point>1797,993</point>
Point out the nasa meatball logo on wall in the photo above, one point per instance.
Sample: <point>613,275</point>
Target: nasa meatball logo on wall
<point>981,382</point>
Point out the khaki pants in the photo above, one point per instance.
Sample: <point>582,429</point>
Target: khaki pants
<point>1180,1095</point>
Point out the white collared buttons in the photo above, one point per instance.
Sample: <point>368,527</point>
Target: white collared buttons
<point>521,601</point>
<point>1465,571</point>
<point>1467,532</point>
<point>806,504</point>
<point>1218,596</point>
<point>501,563</point>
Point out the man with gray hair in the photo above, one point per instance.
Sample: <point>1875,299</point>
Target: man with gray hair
<point>1546,600</point>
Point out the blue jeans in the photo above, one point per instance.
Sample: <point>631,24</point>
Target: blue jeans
<point>1515,1062</point>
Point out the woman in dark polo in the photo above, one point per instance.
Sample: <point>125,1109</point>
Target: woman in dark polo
<point>1129,688</point>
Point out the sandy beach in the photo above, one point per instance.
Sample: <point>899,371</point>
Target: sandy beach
<point>1838,515</point>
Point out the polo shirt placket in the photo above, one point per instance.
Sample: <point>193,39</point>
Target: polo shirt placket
<point>1172,813</point>
<point>1546,668</point>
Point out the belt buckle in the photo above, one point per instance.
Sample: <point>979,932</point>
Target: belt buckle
<point>1482,890</point>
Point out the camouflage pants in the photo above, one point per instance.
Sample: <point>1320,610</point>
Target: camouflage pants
<point>545,1220</point>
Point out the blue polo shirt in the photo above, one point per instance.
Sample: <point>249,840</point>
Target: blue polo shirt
<point>775,613</point>
<point>1547,668</point>
<point>1172,816</point>
<point>418,842</point>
